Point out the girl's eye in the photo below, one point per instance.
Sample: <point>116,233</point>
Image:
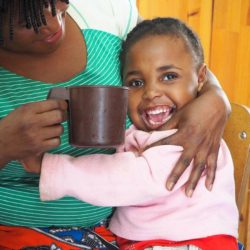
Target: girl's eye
<point>169,76</point>
<point>135,83</point>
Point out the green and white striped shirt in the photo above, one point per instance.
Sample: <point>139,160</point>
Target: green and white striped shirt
<point>19,194</point>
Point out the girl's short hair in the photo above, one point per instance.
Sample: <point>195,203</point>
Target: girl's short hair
<point>164,26</point>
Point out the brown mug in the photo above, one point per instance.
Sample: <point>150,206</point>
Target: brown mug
<point>97,114</point>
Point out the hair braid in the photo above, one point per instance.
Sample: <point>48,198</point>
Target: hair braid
<point>37,13</point>
<point>26,13</point>
<point>2,7</point>
<point>1,29</point>
<point>11,25</point>
<point>41,5</point>
<point>32,11</point>
<point>53,7</point>
<point>33,16</point>
<point>46,3</point>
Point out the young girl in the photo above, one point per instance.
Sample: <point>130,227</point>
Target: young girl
<point>162,63</point>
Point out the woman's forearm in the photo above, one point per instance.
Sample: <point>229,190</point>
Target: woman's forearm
<point>3,158</point>
<point>4,148</point>
<point>214,90</point>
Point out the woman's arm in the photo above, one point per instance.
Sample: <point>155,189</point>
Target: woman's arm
<point>31,129</point>
<point>200,127</point>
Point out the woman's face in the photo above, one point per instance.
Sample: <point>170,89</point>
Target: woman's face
<point>47,40</point>
<point>162,77</point>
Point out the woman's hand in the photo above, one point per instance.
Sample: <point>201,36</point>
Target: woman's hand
<point>31,129</point>
<point>200,127</point>
<point>33,164</point>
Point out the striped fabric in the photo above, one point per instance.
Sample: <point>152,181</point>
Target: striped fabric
<point>19,198</point>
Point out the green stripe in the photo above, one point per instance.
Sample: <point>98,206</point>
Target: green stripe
<point>19,198</point>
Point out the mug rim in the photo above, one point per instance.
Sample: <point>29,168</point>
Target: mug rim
<point>99,86</point>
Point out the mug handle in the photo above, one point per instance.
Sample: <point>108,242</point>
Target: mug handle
<point>59,93</point>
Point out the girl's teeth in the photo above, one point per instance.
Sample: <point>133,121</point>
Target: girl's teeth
<point>157,111</point>
<point>157,116</point>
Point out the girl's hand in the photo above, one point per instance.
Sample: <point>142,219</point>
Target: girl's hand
<point>31,129</point>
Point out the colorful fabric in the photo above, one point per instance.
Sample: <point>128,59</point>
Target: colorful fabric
<point>56,238</point>
<point>217,242</point>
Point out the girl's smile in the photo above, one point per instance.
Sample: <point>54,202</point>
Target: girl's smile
<point>155,117</point>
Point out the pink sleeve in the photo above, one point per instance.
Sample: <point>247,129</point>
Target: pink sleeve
<point>121,179</point>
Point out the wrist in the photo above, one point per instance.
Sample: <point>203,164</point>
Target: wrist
<point>3,161</point>
<point>213,87</point>
<point>221,100</point>
<point>217,97</point>
<point>4,156</point>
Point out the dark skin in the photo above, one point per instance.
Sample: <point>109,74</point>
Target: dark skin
<point>200,141</point>
<point>31,129</point>
<point>35,127</point>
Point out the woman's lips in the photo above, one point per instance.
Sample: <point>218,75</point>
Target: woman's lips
<point>54,37</point>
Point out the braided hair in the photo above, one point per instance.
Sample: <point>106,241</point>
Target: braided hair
<point>163,26</point>
<point>31,11</point>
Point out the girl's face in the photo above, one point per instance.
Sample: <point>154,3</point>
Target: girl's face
<point>45,41</point>
<point>162,77</point>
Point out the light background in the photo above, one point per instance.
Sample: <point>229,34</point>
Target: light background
<point>224,29</point>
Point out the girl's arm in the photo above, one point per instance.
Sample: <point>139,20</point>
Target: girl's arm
<point>121,179</point>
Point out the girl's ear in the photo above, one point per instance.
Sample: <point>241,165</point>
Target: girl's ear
<point>202,76</point>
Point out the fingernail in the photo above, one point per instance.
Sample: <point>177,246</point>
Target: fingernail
<point>189,193</point>
<point>170,186</point>
<point>210,187</point>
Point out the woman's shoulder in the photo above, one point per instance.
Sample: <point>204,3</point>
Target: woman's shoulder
<point>117,17</point>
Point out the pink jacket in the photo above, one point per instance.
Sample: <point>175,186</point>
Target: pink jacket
<point>135,184</point>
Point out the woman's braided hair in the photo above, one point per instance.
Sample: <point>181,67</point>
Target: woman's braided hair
<point>31,11</point>
<point>163,26</point>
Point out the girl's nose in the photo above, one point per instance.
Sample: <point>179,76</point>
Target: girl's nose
<point>151,91</point>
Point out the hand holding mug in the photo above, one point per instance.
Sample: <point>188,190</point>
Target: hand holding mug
<point>31,129</point>
<point>97,114</point>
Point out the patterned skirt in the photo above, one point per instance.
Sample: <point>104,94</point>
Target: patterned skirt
<point>57,238</point>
